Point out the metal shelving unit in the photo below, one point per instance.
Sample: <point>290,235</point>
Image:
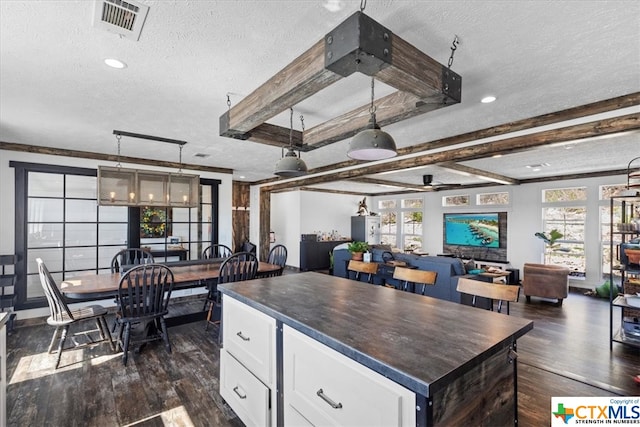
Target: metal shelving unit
<point>616,302</point>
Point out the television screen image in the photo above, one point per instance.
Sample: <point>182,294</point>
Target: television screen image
<point>481,230</point>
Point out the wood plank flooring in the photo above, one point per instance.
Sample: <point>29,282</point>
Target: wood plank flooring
<point>566,354</point>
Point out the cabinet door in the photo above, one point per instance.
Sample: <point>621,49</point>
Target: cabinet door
<point>247,396</point>
<point>327,388</point>
<point>249,336</point>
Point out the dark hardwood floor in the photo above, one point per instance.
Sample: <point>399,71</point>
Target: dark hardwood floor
<point>566,354</point>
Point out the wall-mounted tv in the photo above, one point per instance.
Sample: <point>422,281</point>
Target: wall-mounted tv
<point>482,230</point>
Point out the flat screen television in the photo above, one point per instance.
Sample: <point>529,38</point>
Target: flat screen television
<point>481,230</point>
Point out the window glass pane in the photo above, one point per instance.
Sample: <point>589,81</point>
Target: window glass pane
<point>180,214</point>
<point>411,243</point>
<point>51,257</point>
<point>106,254</point>
<point>606,191</point>
<point>181,231</point>
<point>569,249</point>
<point>42,235</point>
<point>493,199</point>
<point>112,214</point>
<point>205,195</point>
<point>455,200</point>
<point>81,234</point>
<point>388,239</point>
<point>80,259</point>
<point>386,204</point>
<point>34,287</point>
<point>45,210</point>
<point>83,187</point>
<point>112,234</point>
<point>412,222</point>
<point>388,223</point>
<point>81,211</point>
<point>45,184</point>
<point>412,203</point>
<point>564,194</point>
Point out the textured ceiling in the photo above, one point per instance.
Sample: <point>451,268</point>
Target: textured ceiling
<point>537,57</point>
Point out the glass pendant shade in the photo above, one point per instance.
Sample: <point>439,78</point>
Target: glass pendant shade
<point>290,165</point>
<point>131,187</point>
<point>372,144</point>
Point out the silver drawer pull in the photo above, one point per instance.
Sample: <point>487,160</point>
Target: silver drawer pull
<point>324,397</point>
<point>241,396</point>
<point>242,336</point>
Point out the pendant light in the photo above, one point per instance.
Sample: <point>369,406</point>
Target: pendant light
<point>372,143</point>
<point>290,165</point>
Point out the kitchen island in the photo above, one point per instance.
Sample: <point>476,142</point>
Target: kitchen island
<point>322,349</point>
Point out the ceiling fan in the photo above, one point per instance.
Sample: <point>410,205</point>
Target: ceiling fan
<point>431,185</point>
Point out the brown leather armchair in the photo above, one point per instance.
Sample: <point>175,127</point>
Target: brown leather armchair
<point>545,281</point>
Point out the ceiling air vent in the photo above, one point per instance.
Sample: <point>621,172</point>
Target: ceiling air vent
<point>121,17</point>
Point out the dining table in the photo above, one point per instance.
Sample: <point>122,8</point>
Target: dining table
<point>185,275</point>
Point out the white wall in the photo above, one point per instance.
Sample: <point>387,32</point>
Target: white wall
<point>305,212</point>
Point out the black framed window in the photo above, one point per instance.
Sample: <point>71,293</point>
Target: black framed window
<point>57,218</point>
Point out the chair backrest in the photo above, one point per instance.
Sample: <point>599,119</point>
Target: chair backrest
<point>359,267</point>
<point>415,276</point>
<point>247,246</point>
<point>493,291</point>
<point>7,280</point>
<point>145,290</point>
<point>58,308</point>
<point>216,251</point>
<point>238,267</point>
<point>278,256</point>
<point>126,258</point>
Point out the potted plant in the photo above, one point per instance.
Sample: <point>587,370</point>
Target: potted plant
<point>357,249</point>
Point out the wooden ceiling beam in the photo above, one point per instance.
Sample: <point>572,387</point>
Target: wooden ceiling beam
<point>503,146</point>
<point>358,44</point>
<point>490,176</point>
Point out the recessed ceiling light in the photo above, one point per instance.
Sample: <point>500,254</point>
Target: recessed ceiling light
<point>333,5</point>
<point>496,156</point>
<point>114,63</point>
<point>488,99</point>
<point>242,177</point>
<point>538,167</point>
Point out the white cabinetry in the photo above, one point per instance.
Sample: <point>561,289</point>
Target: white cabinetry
<point>247,363</point>
<point>323,387</point>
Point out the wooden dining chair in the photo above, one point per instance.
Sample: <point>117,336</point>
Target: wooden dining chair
<point>278,256</point>
<point>216,251</point>
<point>127,258</point>
<point>62,317</point>
<point>143,299</point>
<point>491,291</point>
<point>238,267</point>
<point>413,277</point>
<point>360,267</point>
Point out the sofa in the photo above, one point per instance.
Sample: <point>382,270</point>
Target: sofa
<point>545,281</point>
<point>448,269</point>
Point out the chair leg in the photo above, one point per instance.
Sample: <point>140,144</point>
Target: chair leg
<point>119,337</point>
<point>63,338</point>
<point>165,334</point>
<point>209,315</point>
<point>125,344</point>
<point>105,327</point>
<point>53,339</point>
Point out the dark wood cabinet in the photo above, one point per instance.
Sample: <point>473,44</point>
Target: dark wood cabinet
<point>314,255</point>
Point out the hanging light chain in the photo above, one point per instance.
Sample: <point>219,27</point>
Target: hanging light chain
<point>228,101</point>
<point>372,108</point>
<point>180,162</point>
<point>454,46</point>
<point>363,4</point>
<point>118,137</point>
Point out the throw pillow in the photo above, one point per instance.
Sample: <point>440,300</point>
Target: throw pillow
<point>469,266</point>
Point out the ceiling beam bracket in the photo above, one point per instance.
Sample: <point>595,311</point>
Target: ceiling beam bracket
<point>359,44</point>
